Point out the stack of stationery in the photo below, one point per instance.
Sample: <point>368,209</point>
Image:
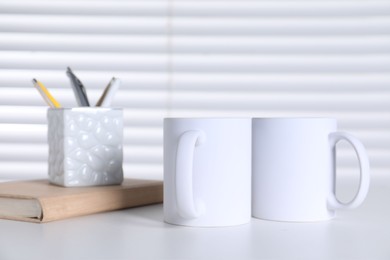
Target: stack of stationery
<point>80,92</point>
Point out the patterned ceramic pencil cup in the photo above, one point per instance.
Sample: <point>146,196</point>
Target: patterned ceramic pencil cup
<point>85,146</point>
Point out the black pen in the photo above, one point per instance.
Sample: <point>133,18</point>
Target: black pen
<point>78,89</point>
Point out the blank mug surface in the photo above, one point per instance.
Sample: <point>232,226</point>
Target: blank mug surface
<point>294,169</point>
<point>208,182</point>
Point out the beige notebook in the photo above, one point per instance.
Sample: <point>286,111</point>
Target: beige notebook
<point>39,201</point>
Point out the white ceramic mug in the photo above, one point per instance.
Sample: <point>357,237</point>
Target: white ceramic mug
<point>294,169</point>
<point>207,171</point>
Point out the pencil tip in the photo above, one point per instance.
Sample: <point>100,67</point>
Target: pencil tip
<point>70,73</point>
<point>34,81</point>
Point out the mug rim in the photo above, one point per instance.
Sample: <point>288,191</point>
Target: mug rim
<point>206,118</point>
<point>294,118</point>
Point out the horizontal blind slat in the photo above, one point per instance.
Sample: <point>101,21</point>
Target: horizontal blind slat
<point>373,101</point>
<point>193,8</point>
<point>89,61</point>
<point>266,82</point>
<point>369,25</point>
<point>281,8</point>
<point>281,44</point>
<point>83,24</point>
<point>83,43</point>
<point>204,82</point>
<point>351,119</point>
<point>281,26</point>
<point>135,99</point>
<point>149,118</point>
<point>23,133</point>
<point>91,79</point>
<point>198,63</point>
<point>281,63</point>
<point>124,8</point>
<point>195,44</point>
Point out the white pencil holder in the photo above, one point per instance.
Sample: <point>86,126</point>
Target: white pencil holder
<point>85,146</point>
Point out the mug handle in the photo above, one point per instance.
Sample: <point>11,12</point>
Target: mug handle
<point>364,164</point>
<point>187,206</point>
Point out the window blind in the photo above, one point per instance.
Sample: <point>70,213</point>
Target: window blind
<point>195,59</point>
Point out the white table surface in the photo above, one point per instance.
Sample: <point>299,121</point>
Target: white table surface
<point>140,233</point>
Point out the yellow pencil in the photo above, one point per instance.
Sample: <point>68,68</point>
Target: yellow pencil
<point>50,100</point>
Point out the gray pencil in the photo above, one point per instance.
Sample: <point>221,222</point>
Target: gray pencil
<point>78,89</point>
